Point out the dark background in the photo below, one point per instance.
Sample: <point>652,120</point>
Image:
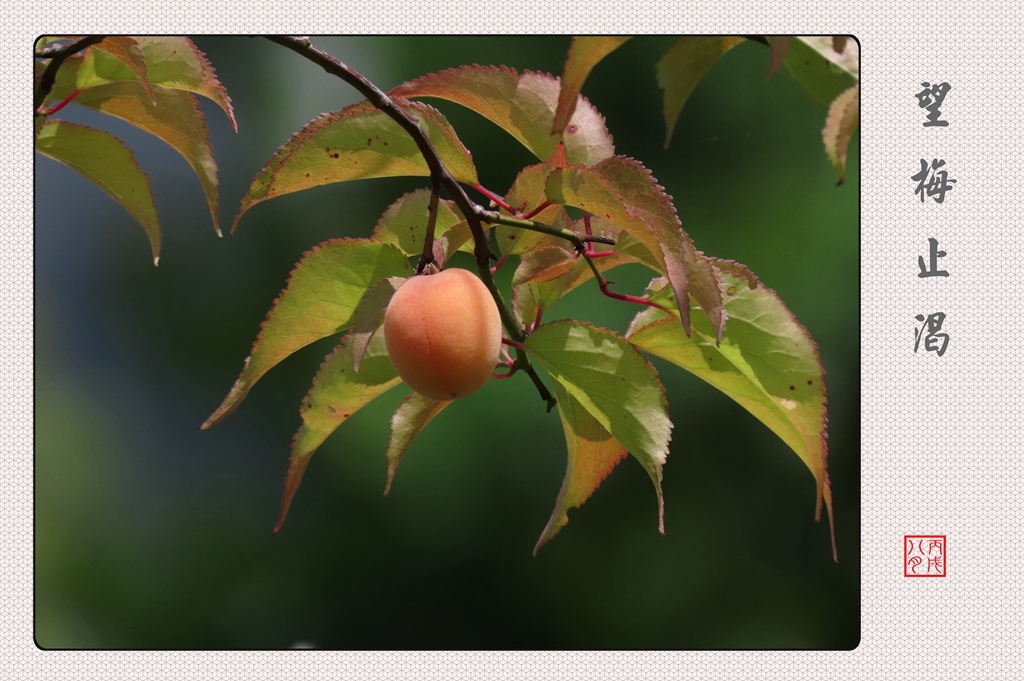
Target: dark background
<point>153,534</point>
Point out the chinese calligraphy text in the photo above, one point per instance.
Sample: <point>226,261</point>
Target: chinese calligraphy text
<point>932,181</point>
<point>930,99</point>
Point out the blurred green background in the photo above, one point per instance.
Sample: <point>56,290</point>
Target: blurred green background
<point>152,534</point>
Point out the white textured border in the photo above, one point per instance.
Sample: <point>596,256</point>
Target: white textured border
<point>941,439</point>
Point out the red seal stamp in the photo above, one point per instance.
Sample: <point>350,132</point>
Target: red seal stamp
<point>924,555</point>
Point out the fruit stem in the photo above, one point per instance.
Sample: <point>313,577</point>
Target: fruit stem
<point>427,256</point>
<point>514,344</point>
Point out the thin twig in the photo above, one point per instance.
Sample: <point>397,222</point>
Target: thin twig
<point>577,240</point>
<point>602,284</point>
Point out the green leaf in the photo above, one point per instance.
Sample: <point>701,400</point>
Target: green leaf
<point>766,362</point>
<point>592,454</point>
<point>411,417</point>
<point>172,62</point>
<point>842,122</point>
<point>174,117</point>
<point>404,223</point>
<point>514,240</point>
<point>338,391</point>
<point>124,49</point>
<point>355,143</point>
<point>175,62</point>
<point>523,105</point>
<point>584,54</point>
<point>543,264</point>
<point>535,291</point>
<point>319,300</point>
<point>613,383</point>
<point>822,71</point>
<point>682,67</point>
<point>623,192</point>
<point>525,196</point>
<point>369,315</point>
<point>105,161</point>
<point>542,290</point>
<point>67,78</point>
<point>528,189</point>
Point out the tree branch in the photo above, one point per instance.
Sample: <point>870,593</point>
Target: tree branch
<point>439,175</point>
<point>579,241</point>
<point>57,54</point>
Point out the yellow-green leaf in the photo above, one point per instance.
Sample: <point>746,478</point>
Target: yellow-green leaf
<point>404,223</point>
<point>124,49</point>
<point>766,362</point>
<point>355,143</point>
<point>584,54</point>
<point>820,69</point>
<point>319,300</point>
<point>614,384</point>
<point>592,454</point>
<point>173,116</point>
<point>411,417</point>
<point>523,105</point>
<point>682,67</point>
<point>338,391</point>
<point>106,162</point>
<point>840,126</point>
<point>171,61</point>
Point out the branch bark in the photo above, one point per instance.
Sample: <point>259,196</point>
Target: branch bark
<point>57,54</point>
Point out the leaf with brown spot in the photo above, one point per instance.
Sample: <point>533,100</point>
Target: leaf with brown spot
<point>584,54</point>
<point>767,362</point>
<point>356,143</point>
